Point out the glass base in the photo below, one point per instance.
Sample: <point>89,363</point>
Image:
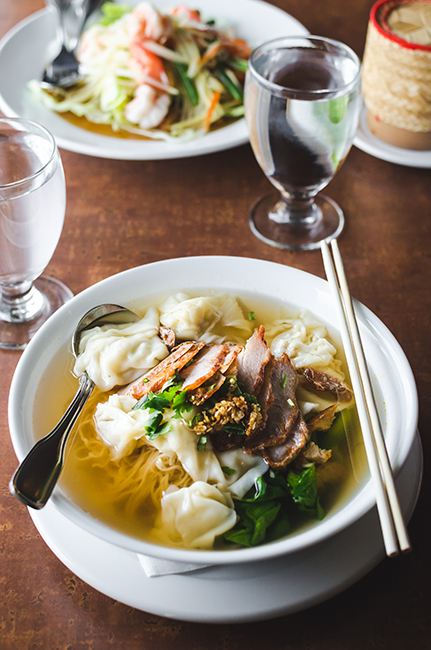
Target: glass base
<point>15,335</point>
<point>296,235</point>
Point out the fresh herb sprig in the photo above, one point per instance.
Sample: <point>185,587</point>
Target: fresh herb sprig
<point>171,397</point>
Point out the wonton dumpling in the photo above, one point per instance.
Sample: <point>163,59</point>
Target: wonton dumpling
<point>194,516</point>
<point>114,356</point>
<point>119,426</point>
<point>200,465</point>
<point>246,470</point>
<point>306,342</point>
<point>199,319</point>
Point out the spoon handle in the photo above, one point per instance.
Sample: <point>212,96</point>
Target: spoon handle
<point>36,476</point>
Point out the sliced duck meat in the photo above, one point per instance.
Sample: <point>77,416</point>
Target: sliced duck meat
<point>321,381</point>
<point>222,441</point>
<point>154,379</point>
<point>282,455</point>
<point>323,420</point>
<point>283,410</point>
<point>168,336</point>
<point>252,362</point>
<point>266,394</point>
<point>211,359</point>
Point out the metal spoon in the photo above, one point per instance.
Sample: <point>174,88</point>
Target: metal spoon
<point>37,475</point>
<point>64,70</point>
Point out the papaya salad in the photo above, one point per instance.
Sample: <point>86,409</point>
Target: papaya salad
<point>167,76</point>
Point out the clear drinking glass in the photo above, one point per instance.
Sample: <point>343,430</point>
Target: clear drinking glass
<point>32,208</point>
<point>302,106</point>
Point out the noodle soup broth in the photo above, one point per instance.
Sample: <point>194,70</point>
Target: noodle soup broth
<point>125,493</point>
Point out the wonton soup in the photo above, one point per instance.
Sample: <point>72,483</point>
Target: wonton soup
<point>218,421</point>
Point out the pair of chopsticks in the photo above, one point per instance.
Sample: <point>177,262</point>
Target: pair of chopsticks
<point>394,530</point>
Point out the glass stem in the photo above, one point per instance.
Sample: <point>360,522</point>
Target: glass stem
<point>20,303</point>
<point>294,211</point>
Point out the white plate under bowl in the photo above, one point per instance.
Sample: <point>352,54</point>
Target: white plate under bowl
<point>368,142</point>
<point>222,594</point>
<point>390,372</point>
<point>31,45</point>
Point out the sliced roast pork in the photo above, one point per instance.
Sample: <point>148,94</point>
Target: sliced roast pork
<point>210,360</point>
<point>154,379</point>
<point>322,381</point>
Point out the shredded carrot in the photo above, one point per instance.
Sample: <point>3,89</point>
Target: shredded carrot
<point>214,101</point>
<point>210,52</point>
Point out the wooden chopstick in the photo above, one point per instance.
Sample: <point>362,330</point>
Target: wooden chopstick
<point>394,530</point>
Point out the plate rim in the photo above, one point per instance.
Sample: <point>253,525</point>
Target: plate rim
<point>371,145</point>
<point>231,578</point>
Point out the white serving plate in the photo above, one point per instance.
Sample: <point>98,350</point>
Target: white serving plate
<point>391,376</point>
<point>234,593</point>
<point>31,45</point>
<point>368,142</point>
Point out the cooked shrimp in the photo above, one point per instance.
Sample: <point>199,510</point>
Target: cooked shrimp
<point>146,63</point>
<point>148,108</point>
<point>145,22</point>
<point>185,14</point>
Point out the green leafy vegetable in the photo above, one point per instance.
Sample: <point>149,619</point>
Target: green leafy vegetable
<point>188,83</point>
<point>303,486</point>
<point>254,520</point>
<point>251,315</point>
<point>232,88</point>
<point>238,64</point>
<point>112,11</point>
<point>228,470</point>
<point>264,513</point>
<point>234,428</point>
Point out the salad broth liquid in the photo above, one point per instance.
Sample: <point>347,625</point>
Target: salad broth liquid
<point>86,483</point>
<point>107,130</point>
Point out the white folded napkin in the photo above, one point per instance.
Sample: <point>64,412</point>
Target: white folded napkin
<point>155,567</point>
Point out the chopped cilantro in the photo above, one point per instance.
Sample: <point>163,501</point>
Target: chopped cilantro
<point>156,404</point>
<point>251,315</point>
<point>228,470</point>
<point>202,443</point>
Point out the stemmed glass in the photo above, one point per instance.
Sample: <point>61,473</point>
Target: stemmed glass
<point>302,106</point>
<point>32,209</point>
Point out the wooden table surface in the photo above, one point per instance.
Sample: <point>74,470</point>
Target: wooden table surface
<point>122,214</point>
